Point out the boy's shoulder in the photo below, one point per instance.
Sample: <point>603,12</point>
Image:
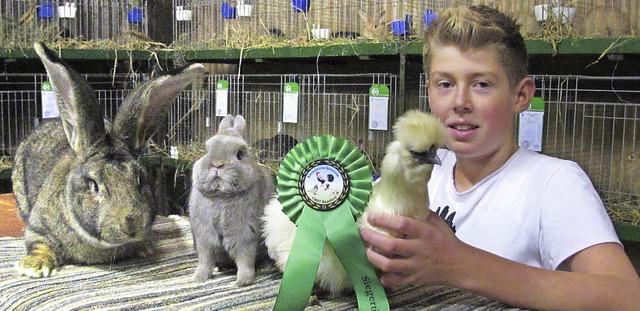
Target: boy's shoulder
<point>537,164</point>
<point>524,161</point>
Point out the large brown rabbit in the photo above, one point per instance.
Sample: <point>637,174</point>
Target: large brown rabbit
<point>605,20</point>
<point>375,27</point>
<point>80,189</point>
<point>529,26</point>
<point>625,172</point>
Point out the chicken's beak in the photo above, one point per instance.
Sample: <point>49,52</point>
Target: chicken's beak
<point>427,157</point>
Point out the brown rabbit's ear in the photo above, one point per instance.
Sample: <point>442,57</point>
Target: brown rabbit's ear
<point>82,116</point>
<point>147,107</point>
<point>383,14</point>
<point>363,16</point>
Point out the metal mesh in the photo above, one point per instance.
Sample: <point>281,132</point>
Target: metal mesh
<point>199,23</point>
<point>21,98</point>
<point>423,100</point>
<point>595,121</point>
<point>24,21</point>
<point>328,104</point>
<point>212,23</point>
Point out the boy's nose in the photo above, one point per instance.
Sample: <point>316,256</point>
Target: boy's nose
<point>462,101</point>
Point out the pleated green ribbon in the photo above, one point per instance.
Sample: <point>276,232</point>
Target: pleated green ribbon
<point>324,185</point>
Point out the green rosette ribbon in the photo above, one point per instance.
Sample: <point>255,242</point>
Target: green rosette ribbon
<point>324,185</point>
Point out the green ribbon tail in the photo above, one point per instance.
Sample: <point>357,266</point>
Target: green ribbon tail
<point>302,264</point>
<point>344,237</point>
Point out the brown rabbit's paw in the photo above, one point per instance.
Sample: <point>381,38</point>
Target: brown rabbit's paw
<point>40,262</point>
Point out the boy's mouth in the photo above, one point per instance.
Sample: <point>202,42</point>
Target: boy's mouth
<point>464,127</point>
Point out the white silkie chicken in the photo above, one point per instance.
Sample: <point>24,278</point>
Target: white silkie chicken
<point>406,169</point>
<point>401,190</point>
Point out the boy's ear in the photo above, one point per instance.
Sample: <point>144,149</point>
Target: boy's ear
<point>524,92</point>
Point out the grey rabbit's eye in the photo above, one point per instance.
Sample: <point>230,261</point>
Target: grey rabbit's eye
<point>240,155</point>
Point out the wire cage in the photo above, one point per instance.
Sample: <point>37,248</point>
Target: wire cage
<point>23,22</point>
<point>423,100</point>
<point>242,23</point>
<point>556,19</point>
<point>326,104</point>
<point>594,121</point>
<point>21,102</point>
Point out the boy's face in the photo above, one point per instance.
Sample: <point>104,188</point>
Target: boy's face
<point>469,91</point>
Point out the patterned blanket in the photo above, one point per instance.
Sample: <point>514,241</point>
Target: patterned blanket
<point>164,282</point>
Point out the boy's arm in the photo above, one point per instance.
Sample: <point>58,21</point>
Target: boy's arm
<point>600,278</point>
<point>598,284</point>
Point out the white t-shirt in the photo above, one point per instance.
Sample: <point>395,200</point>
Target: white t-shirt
<point>537,210</point>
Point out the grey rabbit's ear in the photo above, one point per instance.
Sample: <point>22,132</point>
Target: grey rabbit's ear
<point>239,125</point>
<point>147,107</point>
<point>231,125</point>
<point>81,115</point>
<point>226,123</point>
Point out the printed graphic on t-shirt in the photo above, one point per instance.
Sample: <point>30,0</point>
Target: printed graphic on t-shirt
<point>448,218</point>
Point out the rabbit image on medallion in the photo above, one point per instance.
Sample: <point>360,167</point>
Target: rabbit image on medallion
<point>78,184</point>
<point>228,194</point>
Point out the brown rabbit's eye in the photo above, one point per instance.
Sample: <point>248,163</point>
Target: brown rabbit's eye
<point>93,185</point>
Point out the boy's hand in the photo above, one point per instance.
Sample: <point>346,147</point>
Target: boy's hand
<point>426,255</point>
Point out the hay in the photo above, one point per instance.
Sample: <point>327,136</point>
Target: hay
<point>241,40</point>
<point>5,163</point>
<point>554,31</point>
<point>623,208</point>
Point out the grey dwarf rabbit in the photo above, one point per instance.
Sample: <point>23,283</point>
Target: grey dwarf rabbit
<point>228,194</point>
<point>80,189</point>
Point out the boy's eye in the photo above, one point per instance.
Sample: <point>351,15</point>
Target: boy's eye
<point>482,84</point>
<point>444,84</point>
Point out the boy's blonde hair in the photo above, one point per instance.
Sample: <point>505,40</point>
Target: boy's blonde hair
<point>479,27</point>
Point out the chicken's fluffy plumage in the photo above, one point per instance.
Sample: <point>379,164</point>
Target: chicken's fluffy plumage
<point>402,190</point>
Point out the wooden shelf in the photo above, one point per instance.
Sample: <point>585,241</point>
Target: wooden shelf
<point>359,50</point>
<point>627,232</point>
<point>90,54</point>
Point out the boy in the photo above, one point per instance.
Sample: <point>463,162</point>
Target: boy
<point>522,228</point>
